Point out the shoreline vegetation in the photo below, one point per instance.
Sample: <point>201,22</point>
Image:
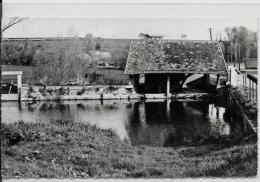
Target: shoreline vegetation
<point>248,106</point>
<point>64,149</point>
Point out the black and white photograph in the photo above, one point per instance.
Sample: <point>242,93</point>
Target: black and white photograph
<point>128,91</point>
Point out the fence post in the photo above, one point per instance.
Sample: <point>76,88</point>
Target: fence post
<point>253,91</point>
<point>245,82</point>
<point>230,76</point>
<point>249,89</point>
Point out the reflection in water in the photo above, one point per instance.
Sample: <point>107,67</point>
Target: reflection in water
<point>167,123</point>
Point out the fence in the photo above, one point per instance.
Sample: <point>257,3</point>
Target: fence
<point>250,85</point>
<point>245,80</point>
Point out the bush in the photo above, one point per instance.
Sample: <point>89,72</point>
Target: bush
<point>249,106</point>
<point>10,135</point>
<point>81,92</point>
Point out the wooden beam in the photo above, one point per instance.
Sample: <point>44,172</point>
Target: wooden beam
<point>19,81</point>
<point>12,73</point>
<point>184,79</point>
<point>168,86</point>
<point>217,80</point>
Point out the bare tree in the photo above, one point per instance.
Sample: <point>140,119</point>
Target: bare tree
<point>11,23</point>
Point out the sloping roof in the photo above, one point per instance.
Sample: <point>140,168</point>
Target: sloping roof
<point>175,56</point>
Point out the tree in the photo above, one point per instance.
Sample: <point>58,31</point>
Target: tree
<point>59,62</point>
<point>89,43</point>
<point>11,23</point>
<point>242,43</point>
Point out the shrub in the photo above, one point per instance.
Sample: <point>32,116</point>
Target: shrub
<point>81,92</point>
<point>10,135</point>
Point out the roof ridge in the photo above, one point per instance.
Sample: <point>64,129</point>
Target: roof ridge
<point>180,40</point>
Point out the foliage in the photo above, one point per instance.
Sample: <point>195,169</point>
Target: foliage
<point>119,50</point>
<point>56,61</point>
<point>60,62</point>
<point>248,106</point>
<point>89,43</point>
<point>17,53</point>
<point>11,22</point>
<point>81,92</point>
<point>106,77</point>
<point>242,43</point>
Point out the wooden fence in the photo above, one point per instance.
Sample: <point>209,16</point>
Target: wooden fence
<point>246,80</point>
<point>250,85</point>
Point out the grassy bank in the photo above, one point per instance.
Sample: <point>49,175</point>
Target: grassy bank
<point>69,149</point>
<point>248,106</point>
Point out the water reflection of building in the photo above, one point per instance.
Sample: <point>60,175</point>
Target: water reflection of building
<point>165,123</point>
<point>172,123</point>
<point>218,126</point>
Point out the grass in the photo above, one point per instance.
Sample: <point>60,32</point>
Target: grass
<point>68,149</point>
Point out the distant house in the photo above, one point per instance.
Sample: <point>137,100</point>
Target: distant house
<point>162,66</point>
<point>84,56</point>
<point>103,59</point>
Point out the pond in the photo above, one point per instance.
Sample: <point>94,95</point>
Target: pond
<point>153,123</point>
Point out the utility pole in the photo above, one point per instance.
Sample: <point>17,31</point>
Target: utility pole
<point>210,33</point>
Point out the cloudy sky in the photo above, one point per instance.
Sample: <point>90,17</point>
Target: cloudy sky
<point>170,28</point>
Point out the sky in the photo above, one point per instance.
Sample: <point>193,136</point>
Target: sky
<point>170,28</point>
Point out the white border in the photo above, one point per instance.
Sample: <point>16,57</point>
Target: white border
<point>170,8</point>
<point>134,1</point>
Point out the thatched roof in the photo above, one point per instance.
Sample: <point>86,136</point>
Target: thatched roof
<point>175,56</point>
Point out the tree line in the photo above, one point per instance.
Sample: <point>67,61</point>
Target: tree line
<point>240,43</point>
<point>56,61</point>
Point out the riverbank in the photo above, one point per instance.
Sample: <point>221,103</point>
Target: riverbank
<point>248,107</point>
<point>69,149</point>
<point>97,92</point>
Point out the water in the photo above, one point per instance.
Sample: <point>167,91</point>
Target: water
<point>165,123</point>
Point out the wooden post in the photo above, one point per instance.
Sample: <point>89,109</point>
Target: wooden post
<point>246,83</point>
<point>253,91</point>
<point>168,102</point>
<point>218,75</point>
<point>136,83</point>
<point>19,81</point>
<point>206,80</point>
<point>243,80</point>
<point>168,86</point>
<point>19,86</point>
<point>249,89</point>
<point>230,76</point>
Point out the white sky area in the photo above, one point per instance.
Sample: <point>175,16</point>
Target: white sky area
<point>170,28</point>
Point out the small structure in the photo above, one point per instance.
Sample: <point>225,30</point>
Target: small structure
<point>162,66</point>
<point>9,96</point>
<point>103,60</point>
<point>250,63</point>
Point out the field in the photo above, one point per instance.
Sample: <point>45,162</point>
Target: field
<point>69,149</point>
